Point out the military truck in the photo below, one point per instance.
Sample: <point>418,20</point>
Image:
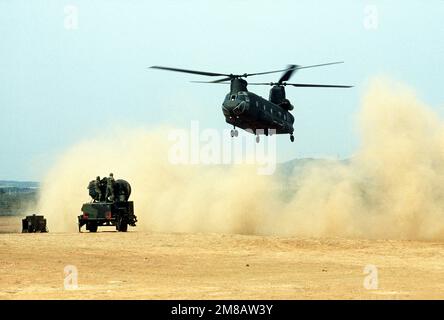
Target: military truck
<point>115,210</point>
<point>34,223</point>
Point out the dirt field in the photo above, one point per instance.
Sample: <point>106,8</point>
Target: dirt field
<point>138,265</point>
<point>10,224</point>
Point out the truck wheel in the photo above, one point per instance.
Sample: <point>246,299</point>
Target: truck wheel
<point>92,227</point>
<point>123,227</point>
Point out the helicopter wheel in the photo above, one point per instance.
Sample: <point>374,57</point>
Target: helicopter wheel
<point>236,133</point>
<point>232,133</point>
<point>257,139</point>
<point>292,138</point>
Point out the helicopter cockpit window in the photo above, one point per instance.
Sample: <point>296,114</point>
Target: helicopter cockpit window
<point>233,97</point>
<point>242,95</point>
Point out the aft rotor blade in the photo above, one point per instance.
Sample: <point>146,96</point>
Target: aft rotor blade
<point>287,75</point>
<point>203,73</point>
<point>316,85</point>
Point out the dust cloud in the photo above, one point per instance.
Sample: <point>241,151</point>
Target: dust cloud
<point>393,187</point>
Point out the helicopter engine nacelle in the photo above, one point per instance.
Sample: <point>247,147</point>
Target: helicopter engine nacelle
<point>277,96</point>
<point>285,104</point>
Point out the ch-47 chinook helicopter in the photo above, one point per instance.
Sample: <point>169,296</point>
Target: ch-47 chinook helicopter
<point>246,110</point>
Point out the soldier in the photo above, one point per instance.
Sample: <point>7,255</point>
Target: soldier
<point>110,188</point>
<point>98,189</point>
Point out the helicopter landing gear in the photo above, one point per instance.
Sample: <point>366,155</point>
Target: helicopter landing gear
<point>234,132</point>
<point>257,139</point>
<point>291,138</point>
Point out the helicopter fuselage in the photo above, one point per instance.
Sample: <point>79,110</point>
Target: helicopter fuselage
<point>248,111</point>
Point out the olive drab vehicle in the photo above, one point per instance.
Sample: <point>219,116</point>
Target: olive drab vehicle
<point>33,224</point>
<point>112,210</point>
<point>246,110</point>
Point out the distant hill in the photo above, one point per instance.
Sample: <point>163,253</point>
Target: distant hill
<point>17,196</point>
<point>18,184</point>
<point>295,167</point>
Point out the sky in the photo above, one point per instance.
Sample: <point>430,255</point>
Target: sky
<point>70,70</point>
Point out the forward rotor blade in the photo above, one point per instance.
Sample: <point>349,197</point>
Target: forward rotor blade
<point>221,80</point>
<point>211,82</point>
<point>288,72</point>
<point>316,85</point>
<point>268,72</point>
<point>290,69</point>
<point>298,85</point>
<point>203,73</point>
<point>319,65</point>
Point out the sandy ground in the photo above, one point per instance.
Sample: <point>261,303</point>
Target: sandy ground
<point>141,265</point>
<point>10,224</point>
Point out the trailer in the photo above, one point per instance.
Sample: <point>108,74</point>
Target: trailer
<point>34,223</point>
